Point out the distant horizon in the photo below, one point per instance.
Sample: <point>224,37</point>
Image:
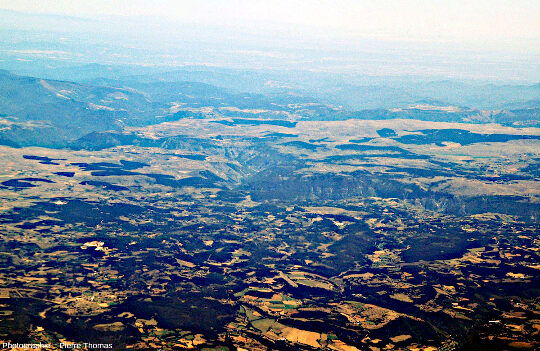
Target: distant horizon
<point>479,40</point>
<point>438,20</point>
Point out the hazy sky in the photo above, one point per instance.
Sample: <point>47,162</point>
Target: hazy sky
<point>466,21</point>
<point>494,39</point>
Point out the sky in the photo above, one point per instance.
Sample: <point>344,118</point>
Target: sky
<point>466,21</point>
<point>466,38</point>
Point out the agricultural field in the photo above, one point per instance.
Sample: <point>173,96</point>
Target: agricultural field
<point>254,233</point>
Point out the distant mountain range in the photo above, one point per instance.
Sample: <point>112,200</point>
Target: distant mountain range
<point>53,113</point>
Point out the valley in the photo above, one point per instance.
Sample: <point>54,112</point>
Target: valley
<point>221,231</point>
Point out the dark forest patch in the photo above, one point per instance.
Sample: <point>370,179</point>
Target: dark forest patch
<point>25,182</point>
<point>463,137</point>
